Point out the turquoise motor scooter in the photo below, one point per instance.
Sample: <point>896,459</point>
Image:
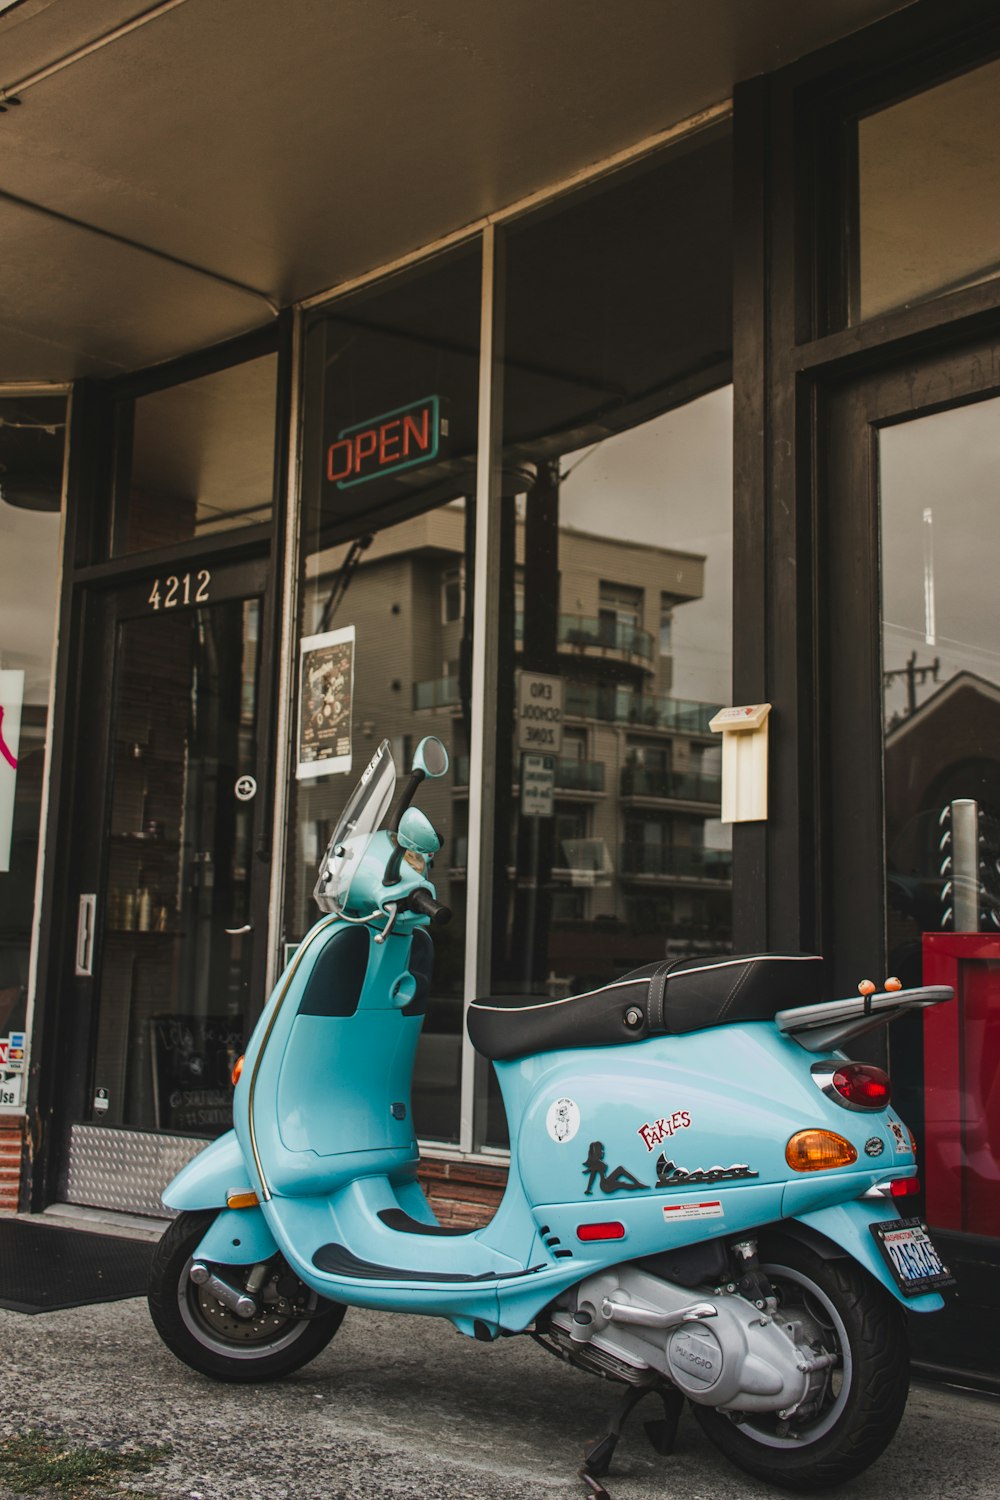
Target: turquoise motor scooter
<point>706,1201</point>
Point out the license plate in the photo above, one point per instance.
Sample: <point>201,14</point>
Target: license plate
<point>909,1252</point>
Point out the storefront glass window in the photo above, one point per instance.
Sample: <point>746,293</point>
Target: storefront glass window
<point>929,193</point>
<point>388,480</point>
<point>32,432</point>
<point>941,684</point>
<point>197,458</point>
<point>615,575</point>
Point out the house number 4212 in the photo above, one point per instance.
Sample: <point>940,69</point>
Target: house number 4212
<point>189,588</point>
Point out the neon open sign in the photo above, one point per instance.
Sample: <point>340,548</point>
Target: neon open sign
<point>397,440</point>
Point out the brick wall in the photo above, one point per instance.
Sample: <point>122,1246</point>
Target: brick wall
<point>462,1195</point>
<point>11,1138</point>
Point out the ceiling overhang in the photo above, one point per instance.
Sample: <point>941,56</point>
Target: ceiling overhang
<point>175,173</point>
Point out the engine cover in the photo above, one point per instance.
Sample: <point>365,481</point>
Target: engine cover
<point>719,1350</point>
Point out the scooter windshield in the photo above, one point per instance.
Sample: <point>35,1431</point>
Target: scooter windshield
<point>365,809</point>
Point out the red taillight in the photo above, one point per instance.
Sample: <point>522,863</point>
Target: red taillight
<point>904,1187</point>
<point>862,1086</point>
<point>612,1230</point>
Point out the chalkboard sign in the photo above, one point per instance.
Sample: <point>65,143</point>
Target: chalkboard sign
<point>193,1059</point>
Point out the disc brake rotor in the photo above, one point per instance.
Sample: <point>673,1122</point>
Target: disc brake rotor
<point>275,1315</point>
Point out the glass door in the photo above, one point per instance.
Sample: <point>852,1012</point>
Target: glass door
<point>941,691</point>
<point>178,917</point>
<point>910,537</point>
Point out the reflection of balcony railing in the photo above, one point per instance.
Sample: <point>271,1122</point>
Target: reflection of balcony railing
<point>596,634</point>
<point>679,785</point>
<point>571,775</point>
<point>618,705</point>
<point>609,635</point>
<point>677,860</point>
<point>580,775</point>
<point>438,692</point>
<point>614,704</point>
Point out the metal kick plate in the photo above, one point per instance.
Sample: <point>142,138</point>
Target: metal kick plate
<point>125,1170</point>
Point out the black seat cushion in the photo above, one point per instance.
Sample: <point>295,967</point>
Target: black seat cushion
<point>669,997</point>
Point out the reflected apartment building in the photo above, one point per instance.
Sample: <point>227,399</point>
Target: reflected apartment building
<point>634,843</point>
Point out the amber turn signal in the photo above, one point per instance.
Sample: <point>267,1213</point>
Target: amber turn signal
<point>242,1200</point>
<point>818,1151</point>
<point>237,1070</point>
<point>892,985</point>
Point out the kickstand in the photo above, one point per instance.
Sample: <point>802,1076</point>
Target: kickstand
<point>661,1432</point>
<point>595,1488</point>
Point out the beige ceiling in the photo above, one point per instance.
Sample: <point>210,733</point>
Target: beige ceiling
<point>167,188</point>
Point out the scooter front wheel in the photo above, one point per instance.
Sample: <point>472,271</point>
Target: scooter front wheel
<point>851,1416</point>
<point>292,1326</point>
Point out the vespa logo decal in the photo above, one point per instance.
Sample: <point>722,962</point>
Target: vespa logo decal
<point>669,1174</point>
<point>655,1134</point>
<point>618,1180</point>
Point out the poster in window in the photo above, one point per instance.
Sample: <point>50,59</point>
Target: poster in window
<point>326,697</point>
<point>11,698</point>
<point>193,1059</point>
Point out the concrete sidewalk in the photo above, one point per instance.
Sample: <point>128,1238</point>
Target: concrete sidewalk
<point>405,1407</point>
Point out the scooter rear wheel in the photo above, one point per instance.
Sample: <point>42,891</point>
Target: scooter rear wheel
<point>294,1324</point>
<point>843,1311</point>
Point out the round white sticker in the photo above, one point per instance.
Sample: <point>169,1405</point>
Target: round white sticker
<point>563,1120</point>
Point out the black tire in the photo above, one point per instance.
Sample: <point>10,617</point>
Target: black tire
<point>210,1338</point>
<point>864,1397</point>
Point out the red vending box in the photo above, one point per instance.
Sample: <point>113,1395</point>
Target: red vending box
<point>962,1083</point>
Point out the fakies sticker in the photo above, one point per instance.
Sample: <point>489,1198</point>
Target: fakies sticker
<point>655,1133</point>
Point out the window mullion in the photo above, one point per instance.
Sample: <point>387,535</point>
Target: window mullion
<point>485,652</point>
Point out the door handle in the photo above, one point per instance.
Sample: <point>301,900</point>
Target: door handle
<point>85,921</point>
<point>239,931</point>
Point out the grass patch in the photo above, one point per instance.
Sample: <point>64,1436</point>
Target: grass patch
<point>36,1462</point>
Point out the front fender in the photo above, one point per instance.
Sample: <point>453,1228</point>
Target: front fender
<point>237,1237</point>
<point>208,1178</point>
<point>846,1224</point>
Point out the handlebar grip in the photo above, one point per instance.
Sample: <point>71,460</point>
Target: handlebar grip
<point>423,903</point>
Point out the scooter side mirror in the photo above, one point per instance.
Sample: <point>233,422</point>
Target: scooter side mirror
<point>430,757</point>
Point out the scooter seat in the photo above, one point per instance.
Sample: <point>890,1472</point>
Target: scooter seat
<point>670,997</point>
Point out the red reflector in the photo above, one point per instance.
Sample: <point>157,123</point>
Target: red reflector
<point>610,1231</point>
<point>863,1085</point>
<point>904,1187</point>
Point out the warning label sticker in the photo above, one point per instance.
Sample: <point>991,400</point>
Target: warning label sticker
<point>712,1209</point>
